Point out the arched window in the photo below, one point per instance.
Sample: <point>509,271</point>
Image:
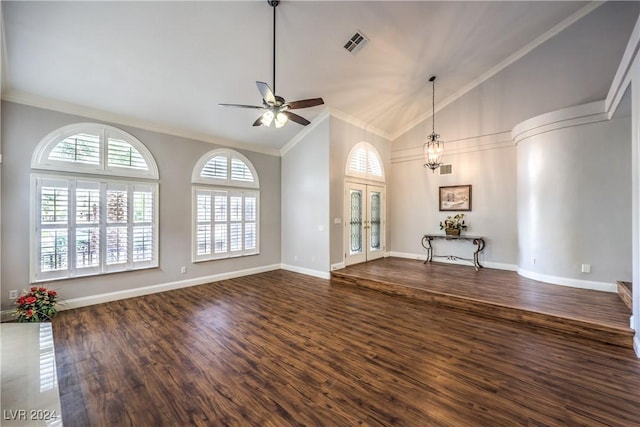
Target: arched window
<point>364,162</point>
<point>94,148</point>
<point>93,219</point>
<point>226,206</point>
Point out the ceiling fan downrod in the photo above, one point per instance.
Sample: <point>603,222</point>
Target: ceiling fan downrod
<point>274,4</point>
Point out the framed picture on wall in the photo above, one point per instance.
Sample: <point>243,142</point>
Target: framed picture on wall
<point>455,198</point>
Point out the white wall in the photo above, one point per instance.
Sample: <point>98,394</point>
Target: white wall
<point>305,203</point>
<point>24,127</point>
<point>415,211</point>
<point>574,202</point>
<point>574,67</point>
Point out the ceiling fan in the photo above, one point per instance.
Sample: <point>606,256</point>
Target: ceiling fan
<point>277,110</point>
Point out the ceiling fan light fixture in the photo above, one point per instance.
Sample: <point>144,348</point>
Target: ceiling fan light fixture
<point>275,107</point>
<point>267,118</point>
<point>281,119</point>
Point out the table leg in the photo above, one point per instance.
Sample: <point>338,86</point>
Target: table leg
<point>479,247</point>
<point>428,247</point>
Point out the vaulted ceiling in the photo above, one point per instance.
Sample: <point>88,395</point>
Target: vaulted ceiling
<point>171,63</point>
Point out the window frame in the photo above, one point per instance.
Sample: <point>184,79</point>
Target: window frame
<point>197,178</point>
<point>40,158</point>
<point>228,253</point>
<point>230,187</point>
<point>104,185</point>
<point>369,150</point>
<point>99,176</point>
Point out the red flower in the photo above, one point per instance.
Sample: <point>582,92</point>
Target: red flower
<point>21,300</point>
<point>30,300</point>
<point>33,289</point>
<point>42,289</point>
<point>53,293</point>
<point>29,313</point>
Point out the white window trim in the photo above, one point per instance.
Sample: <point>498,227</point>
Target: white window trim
<point>228,254</point>
<point>72,271</point>
<point>367,176</point>
<point>196,177</point>
<point>40,158</point>
<point>227,185</point>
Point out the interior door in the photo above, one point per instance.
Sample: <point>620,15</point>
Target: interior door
<point>364,225</point>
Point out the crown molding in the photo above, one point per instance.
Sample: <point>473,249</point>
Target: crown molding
<point>32,100</point>
<point>4,66</point>
<point>341,115</point>
<point>623,74</point>
<point>592,112</point>
<point>345,117</point>
<point>558,28</point>
<point>460,146</point>
<point>304,132</point>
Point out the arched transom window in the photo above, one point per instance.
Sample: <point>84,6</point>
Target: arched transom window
<point>364,162</point>
<point>94,148</point>
<point>226,206</point>
<point>94,203</point>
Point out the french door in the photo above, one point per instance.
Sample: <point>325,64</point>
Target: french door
<point>364,224</point>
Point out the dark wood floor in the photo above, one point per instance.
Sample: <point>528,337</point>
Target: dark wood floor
<point>498,293</point>
<point>279,349</point>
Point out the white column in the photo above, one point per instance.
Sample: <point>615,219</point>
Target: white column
<point>635,173</point>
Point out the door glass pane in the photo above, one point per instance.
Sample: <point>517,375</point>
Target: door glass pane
<point>375,220</point>
<point>355,222</point>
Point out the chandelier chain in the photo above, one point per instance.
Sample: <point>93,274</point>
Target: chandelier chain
<point>433,104</point>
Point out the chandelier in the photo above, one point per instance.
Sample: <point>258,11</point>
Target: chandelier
<point>433,148</point>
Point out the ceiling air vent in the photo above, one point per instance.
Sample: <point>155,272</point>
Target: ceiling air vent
<point>446,169</point>
<point>356,42</point>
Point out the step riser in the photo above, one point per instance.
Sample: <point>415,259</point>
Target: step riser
<point>624,290</point>
<point>541,320</point>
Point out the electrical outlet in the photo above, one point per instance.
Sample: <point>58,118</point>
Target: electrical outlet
<point>13,294</point>
<point>183,269</point>
<point>586,268</point>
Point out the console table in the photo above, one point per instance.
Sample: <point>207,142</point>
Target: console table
<point>477,240</point>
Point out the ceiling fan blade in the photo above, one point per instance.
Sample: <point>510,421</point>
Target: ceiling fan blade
<point>305,103</point>
<point>258,121</point>
<point>296,118</point>
<point>242,106</point>
<point>266,92</point>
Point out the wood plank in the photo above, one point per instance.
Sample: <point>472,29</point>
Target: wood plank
<point>501,294</point>
<point>280,348</point>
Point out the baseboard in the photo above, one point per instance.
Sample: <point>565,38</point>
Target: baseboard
<point>573,283</point>
<point>146,290</point>
<point>337,266</point>
<point>417,257</point>
<point>636,345</point>
<point>487,264</point>
<point>307,271</point>
<point>7,315</point>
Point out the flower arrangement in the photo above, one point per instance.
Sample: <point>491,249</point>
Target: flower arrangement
<point>37,305</point>
<point>453,223</point>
